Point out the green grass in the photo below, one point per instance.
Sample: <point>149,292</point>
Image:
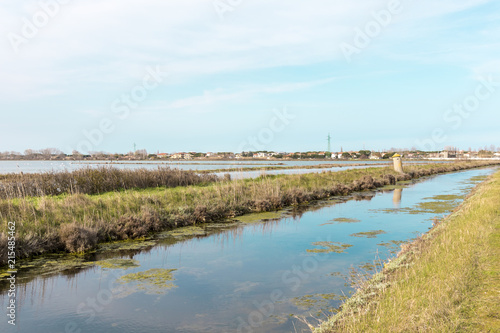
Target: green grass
<point>446,281</point>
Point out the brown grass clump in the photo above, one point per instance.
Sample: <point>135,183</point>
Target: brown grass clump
<point>3,248</point>
<point>77,238</point>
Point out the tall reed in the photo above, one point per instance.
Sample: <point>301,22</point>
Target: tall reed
<point>96,181</point>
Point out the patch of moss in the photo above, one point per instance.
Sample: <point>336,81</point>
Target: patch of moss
<point>392,245</point>
<point>446,197</point>
<point>259,217</point>
<point>370,266</point>
<point>220,225</point>
<point>186,232</point>
<point>315,300</point>
<point>330,247</point>
<point>434,207</point>
<point>125,245</point>
<point>341,220</point>
<point>116,263</point>
<point>46,265</point>
<point>426,207</point>
<point>153,281</point>
<point>368,234</point>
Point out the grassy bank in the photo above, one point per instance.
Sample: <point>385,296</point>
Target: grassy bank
<point>295,167</point>
<point>77,222</point>
<point>445,281</point>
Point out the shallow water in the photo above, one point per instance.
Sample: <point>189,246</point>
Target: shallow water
<point>56,166</point>
<point>248,276</point>
<point>44,166</point>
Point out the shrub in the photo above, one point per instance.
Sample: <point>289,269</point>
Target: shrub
<point>77,238</point>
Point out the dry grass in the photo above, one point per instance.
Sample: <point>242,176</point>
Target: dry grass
<point>446,281</point>
<point>96,181</point>
<point>136,213</point>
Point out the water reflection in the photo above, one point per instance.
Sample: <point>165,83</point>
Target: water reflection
<point>396,198</point>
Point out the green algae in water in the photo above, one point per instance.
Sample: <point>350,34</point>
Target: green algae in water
<point>426,207</point>
<point>116,263</point>
<point>320,303</point>
<point>186,232</point>
<point>225,225</point>
<point>393,245</point>
<point>478,178</point>
<point>125,245</point>
<point>369,266</point>
<point>259,217</point>
<point>341,220</point>
<point>46,265</point>
<point>315,300</point>
<point>434,207</point>
<point>330,247</point>
<point>368,234</point>
<point>445,197</point>
<point>153,281</point>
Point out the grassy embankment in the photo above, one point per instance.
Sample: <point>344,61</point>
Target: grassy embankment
<point>295,167</point>
<point>448,280</point>
<point>76,222</point>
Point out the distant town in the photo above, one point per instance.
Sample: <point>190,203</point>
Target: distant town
<point>452,153</point>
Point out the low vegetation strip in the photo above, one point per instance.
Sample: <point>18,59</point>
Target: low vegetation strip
<point>445,281</point>
<point>77,222</point>
<point>293,167</point>
<point>95,181</point>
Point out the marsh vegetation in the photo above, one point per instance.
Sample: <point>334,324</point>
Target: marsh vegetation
<point>77,222</point>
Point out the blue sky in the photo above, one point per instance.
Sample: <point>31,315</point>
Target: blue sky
<point>225,69</point>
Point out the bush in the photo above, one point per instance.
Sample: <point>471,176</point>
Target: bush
<point>76,238</point>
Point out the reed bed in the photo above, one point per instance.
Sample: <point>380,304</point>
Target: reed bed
<point>96,181</point>
<point>76,222</point>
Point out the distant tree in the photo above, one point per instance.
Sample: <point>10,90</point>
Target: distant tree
<point>387,155</point>
<point>141,153</point>
<point>30,153</point>
<point>346,155</point>
<point>76,155</point>
<point>485,153</point>
<point>48,153</point>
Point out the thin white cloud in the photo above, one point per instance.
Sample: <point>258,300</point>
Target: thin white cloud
<point>219,95</point>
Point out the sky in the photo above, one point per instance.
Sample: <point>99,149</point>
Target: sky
<point>240,75</point>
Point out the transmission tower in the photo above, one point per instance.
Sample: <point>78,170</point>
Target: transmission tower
<point>329,143</point>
